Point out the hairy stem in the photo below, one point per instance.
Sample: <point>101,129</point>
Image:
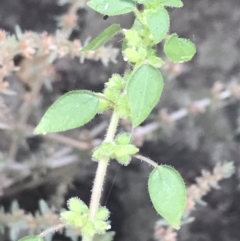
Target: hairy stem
<point>52,229</point>
<point>101,172</point>
<point>147,160</point>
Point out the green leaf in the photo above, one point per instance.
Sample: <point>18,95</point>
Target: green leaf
<point>73,218</point>
<point>69,217</point>
<point>123,150</point>
<point>71,110</point>
<point>158,21</point>
<point>101,226</point>
<point>102,38</point>
<point>112,93</point>
<point>124,160</point>
<point>103,105</point>
<point>88,229</point>
<point>172,3</point>
<point>143,90</point>
<point>179,49</point>
<point>112,7</point>
<point>168,193</point>
<point>132,37</point>
<point>31,238</point>
<point>135,55</point>
<point>116,81</point>
<point>77,205</point>
<point>104,151</point>
<point>123,138</point>
<point>155,61</point>
<point>102,213</point>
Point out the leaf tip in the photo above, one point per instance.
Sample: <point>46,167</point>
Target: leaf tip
<point>176,224</point>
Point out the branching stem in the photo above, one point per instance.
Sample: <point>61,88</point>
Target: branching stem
<point>101,172</point>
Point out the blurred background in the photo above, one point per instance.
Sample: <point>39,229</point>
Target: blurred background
<point>195,126</point>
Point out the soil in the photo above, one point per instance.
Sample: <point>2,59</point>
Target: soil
<point>196,143</point>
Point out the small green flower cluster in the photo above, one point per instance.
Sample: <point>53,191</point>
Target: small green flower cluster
<point>77,216</point>
<point>139,46</point>
<point>114,96</point>
<point>119,149</point>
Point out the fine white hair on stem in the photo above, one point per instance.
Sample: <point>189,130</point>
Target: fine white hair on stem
<point>147,160</point>
<point>52,229</point>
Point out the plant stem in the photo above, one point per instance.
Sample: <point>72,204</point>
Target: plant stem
<point>147,160</point>
<point>52,229</point>
<point>101,172</point>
